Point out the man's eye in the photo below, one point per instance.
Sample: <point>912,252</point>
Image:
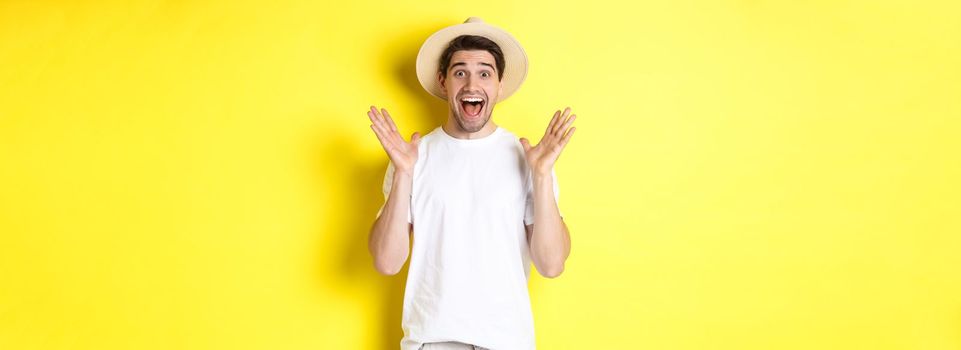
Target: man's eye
<point>459,74</point>
<point>485,74</point>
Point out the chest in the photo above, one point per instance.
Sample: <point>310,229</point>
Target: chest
<point>485,178</point>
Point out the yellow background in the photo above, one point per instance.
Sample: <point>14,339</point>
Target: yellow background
<point>745,175</point>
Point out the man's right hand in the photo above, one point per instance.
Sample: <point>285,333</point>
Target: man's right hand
<point>402,154</point>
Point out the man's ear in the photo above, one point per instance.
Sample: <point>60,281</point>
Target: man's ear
<point>441,80</point>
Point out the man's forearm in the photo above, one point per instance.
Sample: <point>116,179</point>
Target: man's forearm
<point>389,241</point>
<point>550,240</point>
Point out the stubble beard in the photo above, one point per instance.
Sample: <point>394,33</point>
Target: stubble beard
<point>466,125</point>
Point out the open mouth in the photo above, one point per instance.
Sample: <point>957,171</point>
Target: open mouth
<point>472,106</point>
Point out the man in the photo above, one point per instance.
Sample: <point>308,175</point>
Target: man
<point>481,203</point>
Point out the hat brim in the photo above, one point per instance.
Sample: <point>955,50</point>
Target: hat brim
<point>428,59</point>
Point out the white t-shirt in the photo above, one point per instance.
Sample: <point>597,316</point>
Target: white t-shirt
<point>470,261</point>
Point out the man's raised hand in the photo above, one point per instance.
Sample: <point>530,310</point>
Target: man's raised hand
<point>402,154</point>
<point>541,158</point>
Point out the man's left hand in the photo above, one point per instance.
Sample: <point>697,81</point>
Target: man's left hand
<point>541,158</point>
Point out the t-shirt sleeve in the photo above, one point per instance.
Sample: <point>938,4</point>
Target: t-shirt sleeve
<point>388,182</point>
<point>529,207</point>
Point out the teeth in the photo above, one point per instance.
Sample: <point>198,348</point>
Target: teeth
<point>472,99</point>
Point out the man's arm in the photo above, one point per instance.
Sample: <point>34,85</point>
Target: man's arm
<point>549,239</point>
<point>389,241</point>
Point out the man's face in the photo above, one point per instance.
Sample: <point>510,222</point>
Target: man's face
<point>471,87</point>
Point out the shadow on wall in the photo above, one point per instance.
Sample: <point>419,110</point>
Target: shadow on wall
<point>357,199</point>
<point>402,52</point>
<point>361,181</point>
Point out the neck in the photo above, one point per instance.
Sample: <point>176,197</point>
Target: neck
<point>453,129</point>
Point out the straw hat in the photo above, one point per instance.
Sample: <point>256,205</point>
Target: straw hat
<point>515,60</point>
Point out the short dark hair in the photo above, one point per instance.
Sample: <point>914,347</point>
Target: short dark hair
<point>472,42</point>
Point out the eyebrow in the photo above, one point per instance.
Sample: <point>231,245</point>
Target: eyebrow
<point>465,64</point>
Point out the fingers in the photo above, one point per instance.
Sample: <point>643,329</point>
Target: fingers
<point>550,126</point>
<point>386,136</point>
<point>563,130</point>
<point>560,126</point>
<point>379,117</point>
<point>558,147</point>
<point>378,127</point>
<point>526,144</point>
<point>383,120</point>
<point>567,137</point>
<point>560,121</point>
<point>376,118</point>
<point>390,121</point>
<point>380,137</point>
<point>384,123</point>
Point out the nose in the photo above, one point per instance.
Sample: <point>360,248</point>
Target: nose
<point>473,84</point>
